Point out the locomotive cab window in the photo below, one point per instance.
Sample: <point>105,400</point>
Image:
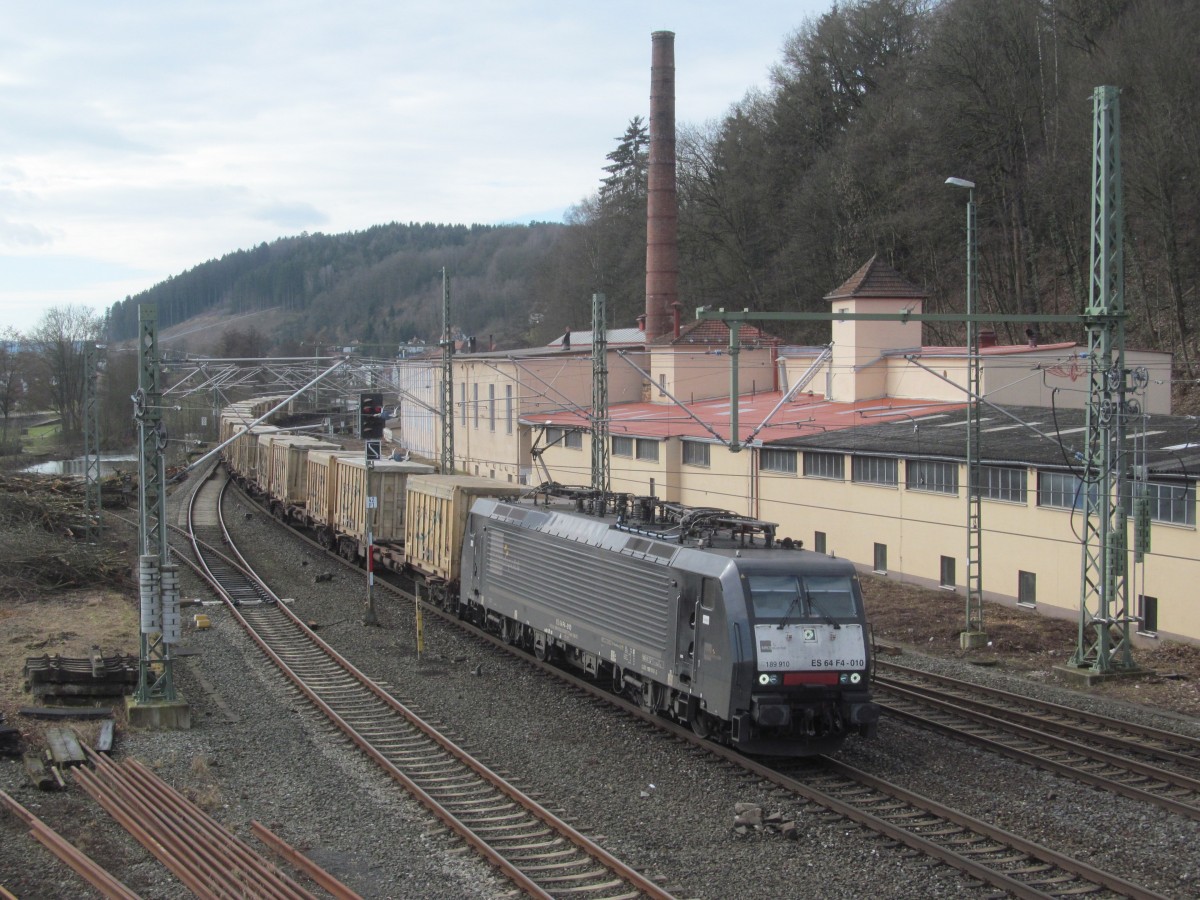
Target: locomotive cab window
<point>778,597</point>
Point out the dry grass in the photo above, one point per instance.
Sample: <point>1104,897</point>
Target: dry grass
<point>67,624</point>
<point>1025,642</point>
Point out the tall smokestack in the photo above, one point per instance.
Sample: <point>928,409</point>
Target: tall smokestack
<point>662,208</point>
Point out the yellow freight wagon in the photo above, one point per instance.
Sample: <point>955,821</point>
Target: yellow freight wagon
<point>437,517</point>
<point>321,480</point>
<point>388,482</point>
<point>289,458</point>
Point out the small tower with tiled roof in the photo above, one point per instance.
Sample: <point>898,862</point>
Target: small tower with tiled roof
<point>859,368</point>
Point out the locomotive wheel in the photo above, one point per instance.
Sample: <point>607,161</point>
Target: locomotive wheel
<point>702,724</point>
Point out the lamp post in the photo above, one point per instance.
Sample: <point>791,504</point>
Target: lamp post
<point>973,635</point>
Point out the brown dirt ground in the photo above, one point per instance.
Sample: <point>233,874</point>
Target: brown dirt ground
<point>68,624</point>
<point>903,616</point>
<point>1024,642</point>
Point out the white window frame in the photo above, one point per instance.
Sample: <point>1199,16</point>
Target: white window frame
<point>696,453</point>
<point>931,476</point>
<point>777,459</point>
<point>881,470</point>
<point>1008,484</point>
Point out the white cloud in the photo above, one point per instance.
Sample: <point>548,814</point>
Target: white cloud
<point>151,137</point>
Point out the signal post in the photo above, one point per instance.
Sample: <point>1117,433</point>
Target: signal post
<point>370,427</point>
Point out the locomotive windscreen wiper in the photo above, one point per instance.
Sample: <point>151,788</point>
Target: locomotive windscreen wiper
<point>787,612</point>
<point>829,620</point>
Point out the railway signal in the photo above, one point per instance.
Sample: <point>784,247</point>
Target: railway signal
<point>370,416</point>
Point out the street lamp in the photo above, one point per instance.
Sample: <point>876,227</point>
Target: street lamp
<point>974,635</point>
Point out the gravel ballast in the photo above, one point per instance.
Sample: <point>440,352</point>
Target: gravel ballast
<point>257,752</point>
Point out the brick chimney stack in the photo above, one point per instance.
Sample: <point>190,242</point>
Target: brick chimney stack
<point>662,209</point>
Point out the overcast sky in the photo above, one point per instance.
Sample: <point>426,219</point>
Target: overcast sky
<point>139,139</point>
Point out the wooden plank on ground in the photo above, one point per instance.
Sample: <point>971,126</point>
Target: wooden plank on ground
<point>104,741</point>
<point>64,747</point>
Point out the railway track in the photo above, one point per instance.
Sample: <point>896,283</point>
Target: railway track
<point>1141,740</point>
<point>1095,750</point>
<point>535,849</point>
<point>978,849</point>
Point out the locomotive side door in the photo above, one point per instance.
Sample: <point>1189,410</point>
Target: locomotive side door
<point>686,606</point>
<point>694,630</point>
<point>703,657</point>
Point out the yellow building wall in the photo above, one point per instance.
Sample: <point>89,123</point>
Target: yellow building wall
<point>691,374</point>
<point>1024,379</point>
<point>724,484</point>
<point>490,443</point>
<point>918,528</point>
<point>858,371</point>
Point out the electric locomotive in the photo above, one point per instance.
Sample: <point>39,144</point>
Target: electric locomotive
<point>699,615</point>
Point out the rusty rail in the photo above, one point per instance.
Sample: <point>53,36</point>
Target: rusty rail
<point>87,868</point>
<point>209,859</point>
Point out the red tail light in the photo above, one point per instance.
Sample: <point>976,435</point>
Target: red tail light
<point>800,678</point>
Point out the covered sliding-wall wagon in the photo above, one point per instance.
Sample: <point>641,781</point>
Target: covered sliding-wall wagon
<point>352,517</point>
<point>437,518</point>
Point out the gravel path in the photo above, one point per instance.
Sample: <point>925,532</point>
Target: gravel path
<point>255,752</point>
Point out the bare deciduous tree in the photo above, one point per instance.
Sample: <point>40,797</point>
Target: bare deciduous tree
<point>57,344</point>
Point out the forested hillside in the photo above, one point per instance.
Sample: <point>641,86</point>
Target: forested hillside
<point>871,107</point>
<point>379,287</point>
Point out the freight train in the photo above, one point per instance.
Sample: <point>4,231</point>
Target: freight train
<point>699,615</point>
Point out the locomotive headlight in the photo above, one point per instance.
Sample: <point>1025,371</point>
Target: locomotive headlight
<point>855,677</point>
<point>767,679</point>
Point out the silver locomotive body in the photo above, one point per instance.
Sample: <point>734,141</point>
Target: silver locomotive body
<point>764,649</point>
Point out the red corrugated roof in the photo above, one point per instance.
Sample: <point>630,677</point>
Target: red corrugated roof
<point>807,414</point>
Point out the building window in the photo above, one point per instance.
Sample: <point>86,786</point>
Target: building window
<point>947,579</point>
<point>475,404</point>
<point>622,446</point>
<point>824,465</point>
<point>773,460</point>
<point>508,408</point>
<point>462,415</point>
<point>873,470</point>
<point>1002,483</point>
<point>1172,503</point>
<point>818,542</point>
<point>647,450</point>
<point>570,439</point>
<point>881,558</point>
<point>1062,490</point>
<point>1148,614</point>
<point>1026,588</point>
<point>695,453</point>
<point>929,475</point>
<point>491,407</point>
